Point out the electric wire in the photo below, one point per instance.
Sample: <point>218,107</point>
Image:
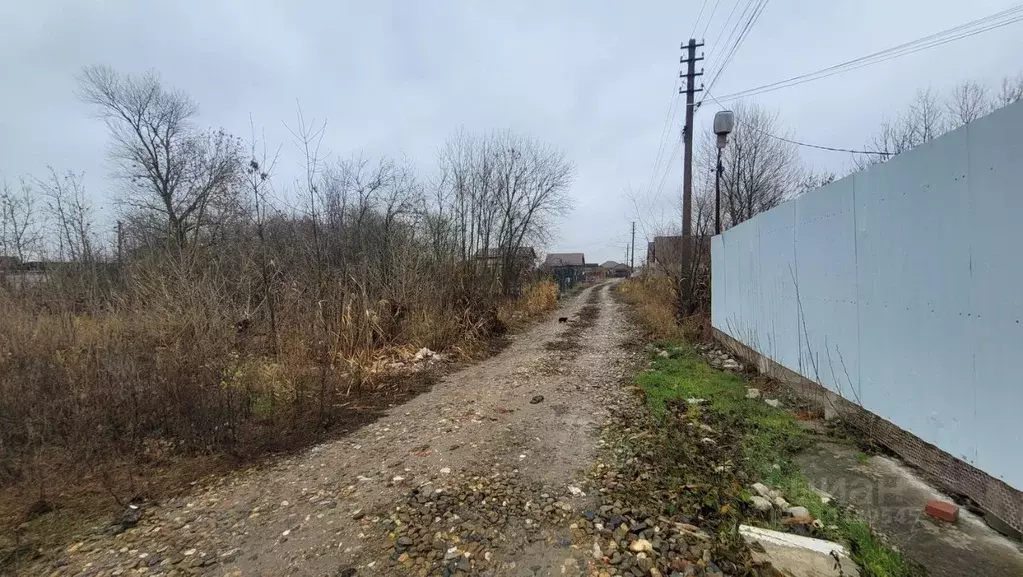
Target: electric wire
<point>994,21</point>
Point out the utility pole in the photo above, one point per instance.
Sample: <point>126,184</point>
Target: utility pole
<point>690,89</point>
<point>632,258</point>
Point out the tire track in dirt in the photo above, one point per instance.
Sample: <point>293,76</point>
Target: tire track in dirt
<point>341,507</point>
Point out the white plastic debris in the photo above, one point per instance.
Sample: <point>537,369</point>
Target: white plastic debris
<point>424,354</point>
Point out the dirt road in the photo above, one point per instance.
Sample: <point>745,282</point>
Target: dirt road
<point>482,474</point>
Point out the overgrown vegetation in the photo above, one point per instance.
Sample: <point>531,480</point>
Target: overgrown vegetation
<point>233,314</point>
<point>764,440</point>
<point>654,301</point>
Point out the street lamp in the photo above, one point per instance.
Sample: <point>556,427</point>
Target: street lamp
<point>724,122</point>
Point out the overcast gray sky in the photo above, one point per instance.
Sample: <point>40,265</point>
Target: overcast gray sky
<point>592,77</point>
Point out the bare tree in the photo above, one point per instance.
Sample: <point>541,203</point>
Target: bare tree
<point>20,228</point>
<point>1012,90</point>
<point>812,180</point>
<point>308,139</point>
<point>504,192</point>
<point>760,170</point>
<point>258,184</point>
<point>922,121</point>
<point>926,118</point>
<point>71,215</point>
<point>170,167</point>
<point>967,102</point>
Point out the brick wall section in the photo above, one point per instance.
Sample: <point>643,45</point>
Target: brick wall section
<point>950,473</point>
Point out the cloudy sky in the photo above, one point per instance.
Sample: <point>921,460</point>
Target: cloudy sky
<point>593,77</point>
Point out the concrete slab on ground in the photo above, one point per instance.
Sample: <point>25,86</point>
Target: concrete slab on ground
<point>891,497</point>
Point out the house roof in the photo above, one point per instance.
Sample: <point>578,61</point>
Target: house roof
<point>497,252</point>
<point>565,259</point>
<point>609,264</point>
<point>9,262</point>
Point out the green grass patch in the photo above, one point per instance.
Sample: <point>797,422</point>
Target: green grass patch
<point>769,439</point>
<point>770,435</point>
<point>868,551</point>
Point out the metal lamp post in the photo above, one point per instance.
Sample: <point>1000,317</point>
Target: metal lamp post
<point>724,122</point>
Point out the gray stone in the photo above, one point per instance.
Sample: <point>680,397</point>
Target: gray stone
<point>762,490</point>
<point>761,504</point>
<point>752,393</point>
<point>797,512</point>
<point>773,402</point>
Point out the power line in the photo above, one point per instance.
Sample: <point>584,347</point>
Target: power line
<point>714,46</point>
<point>820,147</point>
<point>798,143</point>
<point>724,47</point>
<point>667,169</point>
<point>998,20</point>
<point>669,115</point>
<point>743,34</point>
<point>700,15</point>
<point>669,119</point>
<point>751,21</point>
<point>710,18</point>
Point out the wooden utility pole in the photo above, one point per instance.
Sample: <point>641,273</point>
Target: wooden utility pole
<point>689,59</point>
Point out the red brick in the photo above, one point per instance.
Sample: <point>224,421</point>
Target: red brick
<point>942,510</point>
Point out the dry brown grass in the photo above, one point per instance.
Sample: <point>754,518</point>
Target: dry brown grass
<point>102,405</point>
<point>654,304</point>
<point>536,299</point>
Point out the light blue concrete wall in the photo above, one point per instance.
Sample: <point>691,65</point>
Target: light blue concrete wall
<point>899,288</point>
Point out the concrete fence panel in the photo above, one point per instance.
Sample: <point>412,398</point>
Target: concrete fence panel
<point>899,288</point>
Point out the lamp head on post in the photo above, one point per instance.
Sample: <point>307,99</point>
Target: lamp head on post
<point>724,123</point>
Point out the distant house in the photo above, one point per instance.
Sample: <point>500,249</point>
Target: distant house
<point>664,254</point>
<point>9,263</point>
<point>520,266</point>
<point>565,259</point>
<point>620,270</point>
<point>593,271</point>
<point>524,255</point>
<point>568,268</point>
<point>616,269</point>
